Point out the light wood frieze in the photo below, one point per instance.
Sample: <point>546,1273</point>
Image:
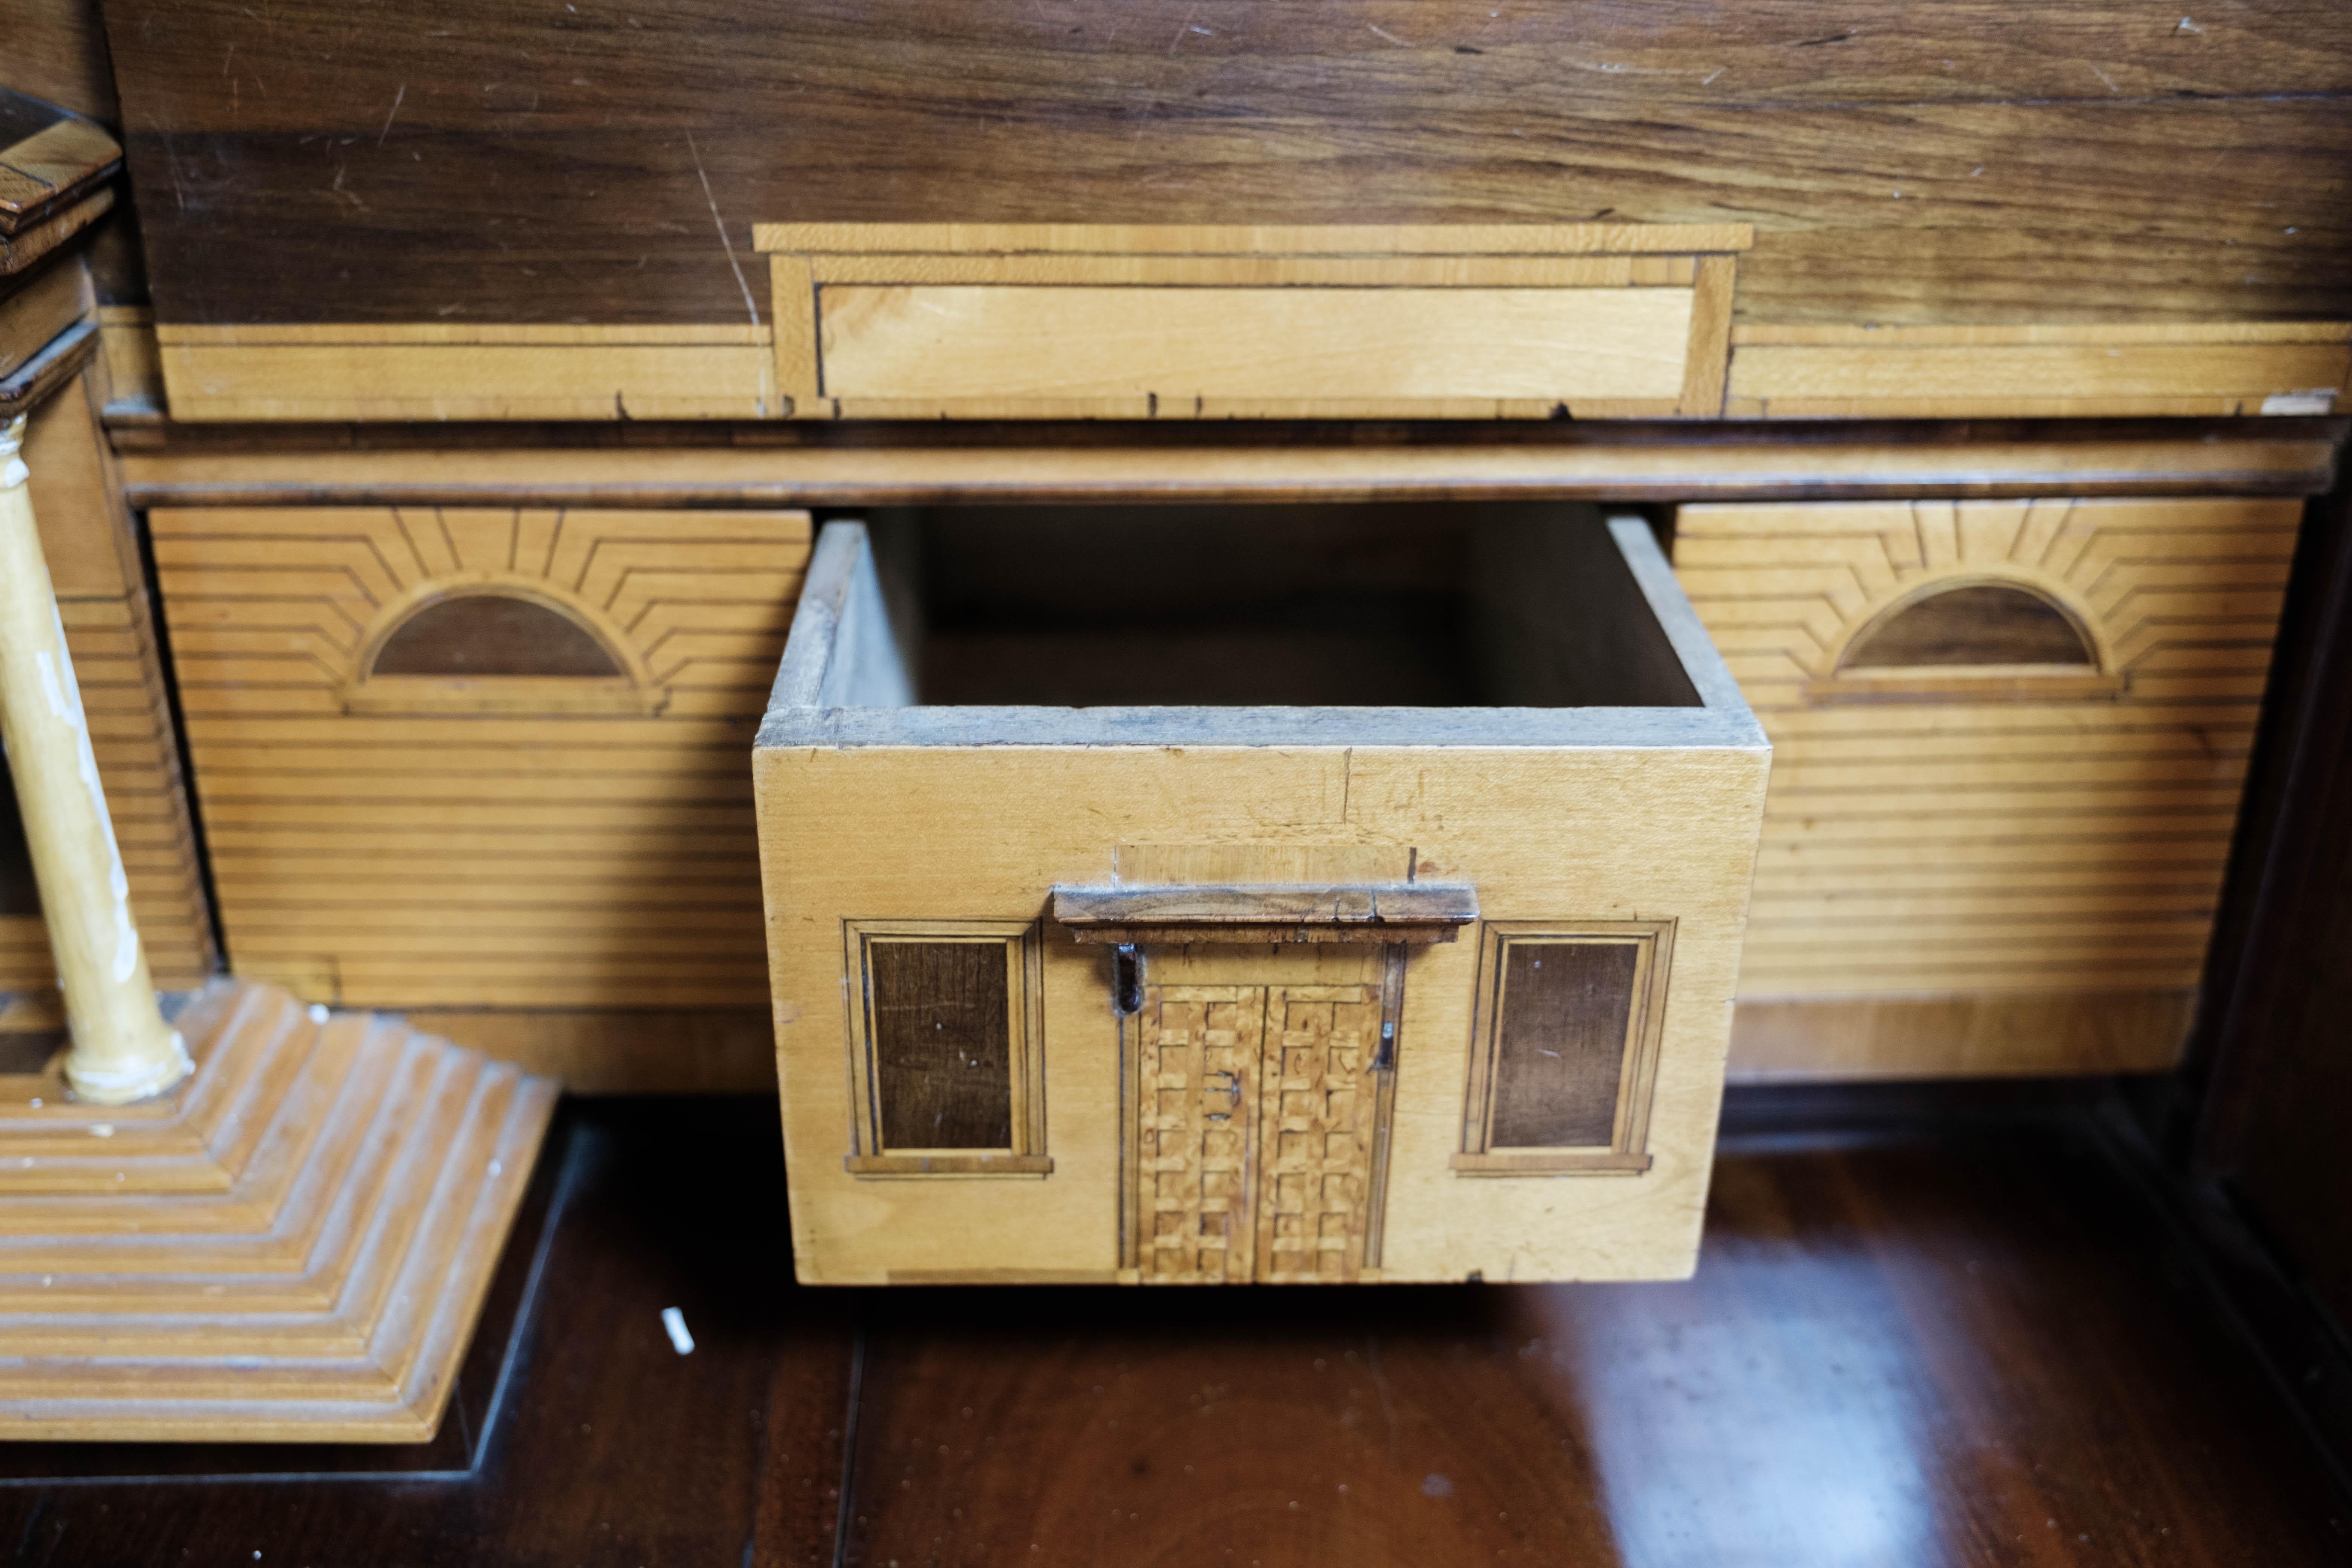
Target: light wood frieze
<point>2220,368</point>
<point>1307,322</point>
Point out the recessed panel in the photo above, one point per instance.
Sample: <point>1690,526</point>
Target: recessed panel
<point>1273,345</point>
<point>1560,1046</point>
<point>942,1044</point>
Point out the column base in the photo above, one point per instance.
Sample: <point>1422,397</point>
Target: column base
<point>291,1247</point>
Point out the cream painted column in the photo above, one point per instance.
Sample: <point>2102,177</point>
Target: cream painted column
<point>122,1050</point>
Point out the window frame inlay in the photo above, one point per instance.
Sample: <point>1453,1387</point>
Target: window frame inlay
<point>1025,1154</point>
<point>1627,1151</point>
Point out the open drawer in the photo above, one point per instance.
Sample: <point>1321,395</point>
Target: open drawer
<point>1276,894</point>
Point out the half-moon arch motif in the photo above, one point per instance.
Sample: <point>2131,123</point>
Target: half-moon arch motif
<point>490,633</point>
<point>1974,624</point>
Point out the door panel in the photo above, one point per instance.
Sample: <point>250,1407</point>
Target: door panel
<point>1255,1122</point>
<point>1317,1115</point>
<point>1198,1053</point>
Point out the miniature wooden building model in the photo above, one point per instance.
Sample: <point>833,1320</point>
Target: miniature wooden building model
<point>1305,987</point>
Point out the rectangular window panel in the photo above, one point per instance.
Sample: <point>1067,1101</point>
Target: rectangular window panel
<point>945,1048</point>
<point>1564,1049</point>
<point>942,1044</point>
<point>1560,1045</point>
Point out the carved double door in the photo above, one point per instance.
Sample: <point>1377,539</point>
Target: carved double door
<point>1260,1119</point>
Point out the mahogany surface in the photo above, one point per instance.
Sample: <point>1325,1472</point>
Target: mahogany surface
<point>1963,1341</point>
<point>446,161</point>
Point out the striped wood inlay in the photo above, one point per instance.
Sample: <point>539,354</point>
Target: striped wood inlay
<point>499,858</point>
<point>119,670</point>
<point>1959,846</point>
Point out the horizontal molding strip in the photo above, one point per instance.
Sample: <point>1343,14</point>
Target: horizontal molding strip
<point>1292,239</point>
<point>719,475</point>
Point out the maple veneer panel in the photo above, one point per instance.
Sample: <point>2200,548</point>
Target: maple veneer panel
<point>438,858</point>
<point>2066,854</point>
<point>1252,347</point>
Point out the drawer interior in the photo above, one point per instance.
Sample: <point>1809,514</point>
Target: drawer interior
<point>1461,605</point>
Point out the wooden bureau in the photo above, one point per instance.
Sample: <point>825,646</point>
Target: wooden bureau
<point>1894,316</point>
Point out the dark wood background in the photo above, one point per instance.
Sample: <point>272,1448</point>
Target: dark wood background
<point>1962,1337</point>
<point>489,161</point>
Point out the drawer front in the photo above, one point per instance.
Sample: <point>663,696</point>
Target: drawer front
<point>1238,350</point>
<point>481,757</point>
<point>2011,738</point>
<point>1426,993</point>
<point>1104,321</point>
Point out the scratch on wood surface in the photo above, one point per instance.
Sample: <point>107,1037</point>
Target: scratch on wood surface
<point>398,94</point>
<point>728,245</point>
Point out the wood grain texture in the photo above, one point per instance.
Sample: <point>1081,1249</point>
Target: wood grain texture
<point>32,318</point>
<point>56,53</point>
<point>1563,1066</point>
<point>21,250</point>
<point>2158,368</point>
<point>319,1284</point>
<point>1956,164</point>
<point>1261,912</point>
<point>1576,1009</point>
<point>55,166</point>
<point>430,858</point>
<point>1235,243</point>
<point>943,1045</point>
<point>1985,1034</point>
<point>2277,1081</point>
<point>946,1047</point>
<point>49,369</point>
<point>133,368</point>
<point>1988,623</point>
<point>697,1050</point>
<point>998,352</point>
<point>1171,322</point>
<point>811,465</point>
<point>608,1445</point>
<point>435,371</point>
<point>1956,1349</point>
<point>86,534</point>
<point>933,813</point>
<point>1260,1113</point>
<point>1955,1337</point>
<point>2005,845</point>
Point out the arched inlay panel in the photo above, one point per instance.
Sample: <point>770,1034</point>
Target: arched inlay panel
<point>492,635</point>
<point>1981,624</point>
<point>2045,838</point>
<point>528,721</point>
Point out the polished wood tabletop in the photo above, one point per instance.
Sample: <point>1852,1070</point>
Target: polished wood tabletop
<point>1917,1339</point>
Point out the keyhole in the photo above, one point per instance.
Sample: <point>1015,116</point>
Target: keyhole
<point>1126,980</point>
